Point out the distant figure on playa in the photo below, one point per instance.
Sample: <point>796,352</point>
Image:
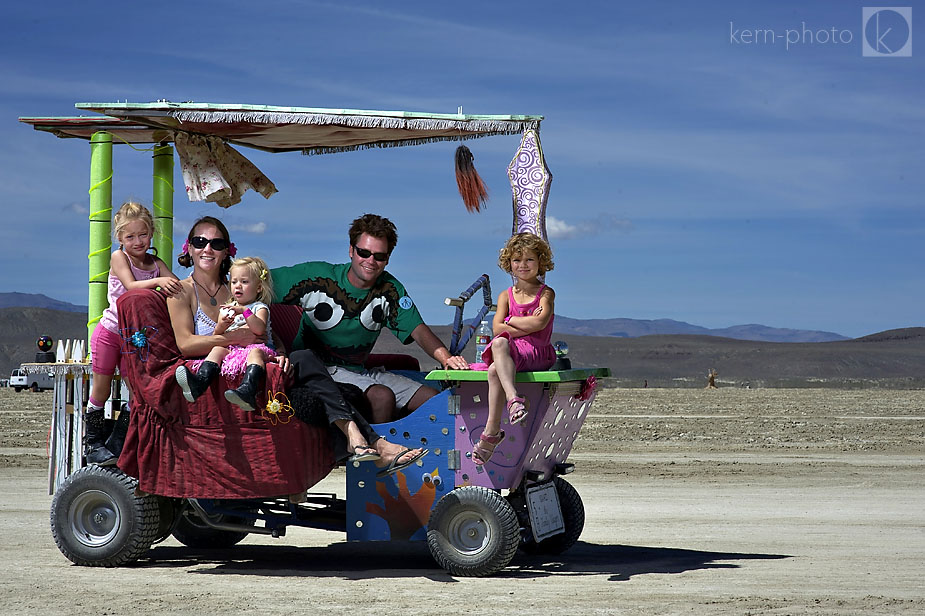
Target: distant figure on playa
<point>711,379</point>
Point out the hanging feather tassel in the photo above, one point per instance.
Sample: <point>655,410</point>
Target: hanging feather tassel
<point>471,187</point>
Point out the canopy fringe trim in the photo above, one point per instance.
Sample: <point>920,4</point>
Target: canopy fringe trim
<point>319,150</point>
<point>499,127</point>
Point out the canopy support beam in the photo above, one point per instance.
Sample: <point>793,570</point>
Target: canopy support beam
<point>162,202</point>
<point>100,227</point>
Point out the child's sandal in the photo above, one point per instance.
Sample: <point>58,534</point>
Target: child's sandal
<point>481,453</point>
<point>517,410</point>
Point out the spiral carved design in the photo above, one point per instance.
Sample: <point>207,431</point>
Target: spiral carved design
<point>530,179</point>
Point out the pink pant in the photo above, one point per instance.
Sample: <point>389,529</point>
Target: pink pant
<point>107,350</point>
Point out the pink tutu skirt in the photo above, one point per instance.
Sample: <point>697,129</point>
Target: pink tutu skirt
<point>236,360</point>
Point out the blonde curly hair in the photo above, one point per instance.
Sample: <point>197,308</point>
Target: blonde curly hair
<point>526,241</point>
<point>257,269</point>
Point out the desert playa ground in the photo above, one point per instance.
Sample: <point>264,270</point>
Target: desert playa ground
<point>727,501</point>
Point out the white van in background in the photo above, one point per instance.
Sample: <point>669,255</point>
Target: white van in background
<point>20,380</point>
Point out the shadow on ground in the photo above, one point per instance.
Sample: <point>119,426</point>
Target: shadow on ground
<point>357,561</point>
<point>621,562</point>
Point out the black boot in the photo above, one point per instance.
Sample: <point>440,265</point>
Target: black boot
<point>117,439</point>
<point>95,438</point>
<point>193,384</point>
<point>245,396</point>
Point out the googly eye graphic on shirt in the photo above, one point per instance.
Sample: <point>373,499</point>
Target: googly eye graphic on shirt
<point>375,313</point>
<point>322,309</point>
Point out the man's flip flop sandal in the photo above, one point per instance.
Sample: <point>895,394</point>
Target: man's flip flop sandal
<point>394,466</point>
<point>368,453</point>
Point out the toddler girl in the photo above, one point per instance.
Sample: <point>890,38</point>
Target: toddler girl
<point>522,326</point>
<point>130,267</point>
<point>252,291</point>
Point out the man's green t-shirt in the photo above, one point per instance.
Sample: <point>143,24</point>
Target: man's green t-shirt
<point>341,322</point>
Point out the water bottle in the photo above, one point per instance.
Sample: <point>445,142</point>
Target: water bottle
<point>482,338</point>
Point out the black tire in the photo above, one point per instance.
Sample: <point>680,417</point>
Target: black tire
<point>35,388</point>
<point>473,532</point>
<point>98,521</point>
<point>193,532</point>
<point>17,388</point>
<point>573,515</point>
<point>168,512</point>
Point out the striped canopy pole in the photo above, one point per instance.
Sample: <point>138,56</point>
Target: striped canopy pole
<point>162,202</point>
<point>100,226</point>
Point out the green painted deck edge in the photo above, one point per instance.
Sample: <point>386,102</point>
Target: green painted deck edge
<point>548,376</point>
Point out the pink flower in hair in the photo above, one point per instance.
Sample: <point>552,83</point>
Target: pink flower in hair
<point>185,249</point>
<point>232,250</point>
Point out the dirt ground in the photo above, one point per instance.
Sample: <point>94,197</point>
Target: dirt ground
<point>729,501</point>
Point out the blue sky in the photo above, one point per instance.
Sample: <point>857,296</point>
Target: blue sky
<point>707,168</point>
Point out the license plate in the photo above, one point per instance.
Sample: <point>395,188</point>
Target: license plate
<point>544,511</point>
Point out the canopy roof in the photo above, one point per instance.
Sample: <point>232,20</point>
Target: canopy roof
<point>280,129</point>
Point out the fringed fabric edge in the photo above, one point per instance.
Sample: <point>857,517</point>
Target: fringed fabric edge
<point>319,150</point>
<point>356,121</point>
<point>58,369</point>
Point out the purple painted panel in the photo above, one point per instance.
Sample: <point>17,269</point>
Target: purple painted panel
<point>542,441</point>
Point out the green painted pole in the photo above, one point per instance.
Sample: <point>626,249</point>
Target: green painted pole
<point>163,202</point>
<point>100,227</point>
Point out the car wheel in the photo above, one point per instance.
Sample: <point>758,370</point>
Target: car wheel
<point>573,515</point>
<point>473,531</point>
<point>97,519</point>
<point>192,531</point>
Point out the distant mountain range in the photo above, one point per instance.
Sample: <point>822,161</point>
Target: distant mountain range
<point>632,349</point>
<point>633,328</point>
<point>620,328</point>
<point>37,300</point>
<point>894,359</point>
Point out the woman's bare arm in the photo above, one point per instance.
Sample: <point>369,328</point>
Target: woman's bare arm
<point>180,308</point>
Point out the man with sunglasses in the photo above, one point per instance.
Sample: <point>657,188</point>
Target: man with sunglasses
<point>345,307</point>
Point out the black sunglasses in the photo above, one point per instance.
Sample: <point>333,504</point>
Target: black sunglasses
<point>218,243</point>
<point>381,257</point>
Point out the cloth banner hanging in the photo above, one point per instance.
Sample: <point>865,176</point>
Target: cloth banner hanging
<point>215,172</point>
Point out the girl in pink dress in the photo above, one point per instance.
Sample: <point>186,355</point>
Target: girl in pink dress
<point>522,328</point>
<point>130,267</point>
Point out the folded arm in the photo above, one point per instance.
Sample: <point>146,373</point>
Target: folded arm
<point>521,326</point>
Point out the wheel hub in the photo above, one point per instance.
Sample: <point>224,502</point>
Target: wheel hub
<point>94,518</point>
<point>468,532</point>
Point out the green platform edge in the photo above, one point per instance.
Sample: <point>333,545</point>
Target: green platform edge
<point>546,376</point>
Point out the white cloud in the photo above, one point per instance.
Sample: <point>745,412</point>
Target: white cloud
<point>559,229</point>
<point>604,223</point>
<point>258,228</point>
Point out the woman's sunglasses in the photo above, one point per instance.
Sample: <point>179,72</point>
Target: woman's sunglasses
<point>199,242</point>
<point>381,257</point>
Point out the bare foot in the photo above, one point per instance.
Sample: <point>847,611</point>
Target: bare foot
<point>387,452</point>
<point>356,443</point>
